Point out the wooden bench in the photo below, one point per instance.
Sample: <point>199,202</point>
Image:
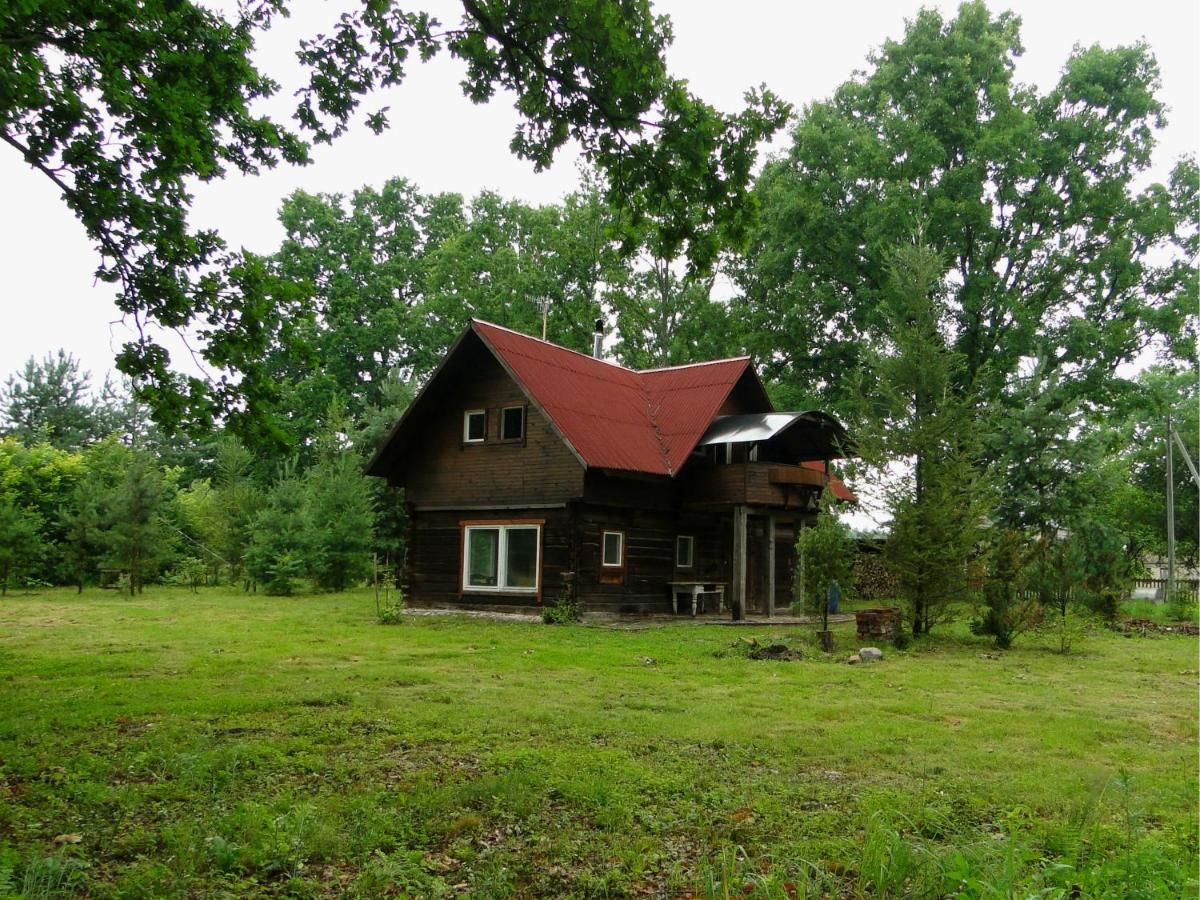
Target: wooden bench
<point>697,590</point>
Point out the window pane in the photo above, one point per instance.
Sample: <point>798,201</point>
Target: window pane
<point>483,546</point>
<point>512,426</point>
<point>476,426</point>
<point>521,557</point>
<point>683,552</point>
<point>612,548</point>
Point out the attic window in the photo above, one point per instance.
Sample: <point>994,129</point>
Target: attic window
<point>512,423</point>
<point>474,426</point>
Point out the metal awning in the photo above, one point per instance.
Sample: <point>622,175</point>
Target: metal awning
<point>805,435</point>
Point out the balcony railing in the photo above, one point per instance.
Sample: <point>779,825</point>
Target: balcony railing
<point>753,484</point>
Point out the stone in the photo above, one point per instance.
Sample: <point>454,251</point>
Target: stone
<point>870,654</point>
<point>854,660</point>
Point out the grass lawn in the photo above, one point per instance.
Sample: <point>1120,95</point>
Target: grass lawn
<point>228,745</point>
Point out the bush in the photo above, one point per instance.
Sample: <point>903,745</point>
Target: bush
<point>389,608</point>
<point>565,609</point>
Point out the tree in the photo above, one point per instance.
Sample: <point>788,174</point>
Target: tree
<point>340,515</point>
<point>913,417</point>
<point>341,520</point>
<point>50,401</point>
<point>665,313</point>
<point>1007,609</point>
<point>508,259</point>
<point>826,555</point>
<point>20,542</point>
<point>277,553</point>
<point>40,480</point>
<point>239,501</point>
<point>137,538</point>
<point>1049,248</point>
<point>360,265</point>
<point>175,82</point>
<point>1135,435</point>
<point>83,529</point>
<point>391,517</point>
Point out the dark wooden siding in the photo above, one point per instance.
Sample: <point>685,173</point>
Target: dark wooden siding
<point>645,513</point>
<point>448,473</point>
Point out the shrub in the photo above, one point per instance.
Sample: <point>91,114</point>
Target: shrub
<point>565,609</point>
<point>389,599</point>
<point>1007,609</point>
<point>389,607</point>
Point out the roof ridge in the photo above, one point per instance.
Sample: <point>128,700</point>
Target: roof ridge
<point>530,337</point>
<point>708,362</point>
<point>652,416</point>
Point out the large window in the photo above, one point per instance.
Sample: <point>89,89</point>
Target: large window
<point>502,557</point>
<point>474,426</point>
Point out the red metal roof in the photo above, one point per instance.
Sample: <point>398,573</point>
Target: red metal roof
<point>618,418</point>
<point>613,417</point>
<point>839,487</point>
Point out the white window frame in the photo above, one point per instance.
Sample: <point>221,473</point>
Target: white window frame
<point>466,436</point>
<point>691,554</point>
<point>501,586</point>
<point>524,423</point>
<point>620,563</point>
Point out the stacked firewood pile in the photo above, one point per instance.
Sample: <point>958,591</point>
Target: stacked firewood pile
<point>881,622</point>
<point>872,579</point>
<point>1145,626</point>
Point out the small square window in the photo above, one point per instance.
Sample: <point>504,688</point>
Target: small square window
<point>684,545</point>
<point>512,423</point>
<point>474,426</point>
<point>613,549</point>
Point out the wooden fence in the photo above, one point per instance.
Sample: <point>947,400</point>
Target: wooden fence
<point>1186,586</point>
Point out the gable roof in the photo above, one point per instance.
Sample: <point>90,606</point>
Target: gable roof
<point>609,416</point>
<point>613,417</point>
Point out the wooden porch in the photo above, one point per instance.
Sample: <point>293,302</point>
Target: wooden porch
<point>760,484</point>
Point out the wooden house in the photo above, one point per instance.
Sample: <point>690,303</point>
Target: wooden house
<point>531,471</point>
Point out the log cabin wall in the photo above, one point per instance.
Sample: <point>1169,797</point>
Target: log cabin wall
<point>447,472</point>
<point>434,567</point>
<point>646,512</point>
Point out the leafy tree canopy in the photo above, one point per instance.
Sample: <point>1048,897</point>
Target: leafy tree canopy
<point>123,103</point>
<point>1030,199</point>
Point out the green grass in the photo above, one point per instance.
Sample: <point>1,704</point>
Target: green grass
<point>229,745</point>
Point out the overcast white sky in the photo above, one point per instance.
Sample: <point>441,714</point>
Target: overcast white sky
<point>443,143</point>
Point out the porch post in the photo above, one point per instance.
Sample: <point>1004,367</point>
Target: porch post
<point>770,564</point>
<point>740,514</point>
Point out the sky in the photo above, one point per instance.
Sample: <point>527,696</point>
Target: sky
<point>441,142</point>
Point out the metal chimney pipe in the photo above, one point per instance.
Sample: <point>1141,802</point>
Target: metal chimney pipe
<point>598,340</point>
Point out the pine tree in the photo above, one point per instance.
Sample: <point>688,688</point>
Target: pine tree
<point>239,501</point>
<point>340,515</point>
<point>83,526</point>
<point>918,417</point>
<point>276,555</point>
<point>137,537</point>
